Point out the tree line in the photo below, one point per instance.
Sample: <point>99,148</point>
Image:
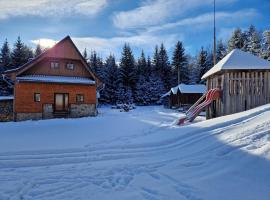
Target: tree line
<point>145,79</point>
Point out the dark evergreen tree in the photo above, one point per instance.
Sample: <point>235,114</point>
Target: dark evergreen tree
<point>165,67</point>
<point>155,89</point>
<point>5,57</point>
<point>155,62</point>
<point>109,93</point>
<point>180,65</point>
<point>236,41</point>
<point>85,56</point>
<point>141,66</point>
<point>265,52</point>
<point>221,50</point>
<point>96,64</point>
<point>148,70</point>
<point>38,50</point>
<point>252,41</point>
<point>202,64</point>
<point>21,53</point>
<point>127,71</point>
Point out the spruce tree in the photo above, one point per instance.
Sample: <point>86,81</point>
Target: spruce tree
<point>252,41</point>
<point>165,67</point>
<point>202,65</point>
<point>38,50</point>
<point>221,50</point>
<point>148,70</point>
<point>21,53</point>
<point>180,65</point>
<point>141,69</point>
<point>155,62</point>
<point>111,80</point>
<point>85,56</point>
<point>236,41</point>
<point>265,51</point>
<point>96,64</point>
<point>5,57</point>
<point>127,72</point>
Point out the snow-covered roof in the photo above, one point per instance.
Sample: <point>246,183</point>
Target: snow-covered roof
<point>55,79</point>
<point>4,98</point>
<point>187,89</point>
<point>237,60</point>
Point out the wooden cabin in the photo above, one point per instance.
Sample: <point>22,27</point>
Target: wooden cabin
<point>244,80</point>
<point>57,83</point>
<point>183,95</point>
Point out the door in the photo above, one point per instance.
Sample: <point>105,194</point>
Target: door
<point>61,102</point>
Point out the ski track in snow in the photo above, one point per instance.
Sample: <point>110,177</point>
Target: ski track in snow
<point>130,163</point>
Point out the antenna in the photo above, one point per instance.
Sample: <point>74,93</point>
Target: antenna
<point>215,47</point>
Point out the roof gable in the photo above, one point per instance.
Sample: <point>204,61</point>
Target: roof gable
<point>64,49</point>
<point>238,60</point>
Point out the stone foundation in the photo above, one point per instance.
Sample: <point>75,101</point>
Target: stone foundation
<point>6,110</point>
<point>28,116</point>
<point>47,111</point>
<point>83,110</point>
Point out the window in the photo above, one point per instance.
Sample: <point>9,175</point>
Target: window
<point>37,97</point>
<point>80,98</point>
<point>70,66</point>
<point>54,65</point>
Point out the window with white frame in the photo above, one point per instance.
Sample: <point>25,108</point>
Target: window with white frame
<point>54,65</point>
<point>37,97</point>
<point>80,98</point>
<point>70,66</point>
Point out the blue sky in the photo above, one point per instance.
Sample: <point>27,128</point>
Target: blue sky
<point>105,25</point>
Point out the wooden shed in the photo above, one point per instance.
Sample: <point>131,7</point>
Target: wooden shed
<point>244,81</point>
<point>184,95</point>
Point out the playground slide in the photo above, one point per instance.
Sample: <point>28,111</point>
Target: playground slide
<point>195,110</point>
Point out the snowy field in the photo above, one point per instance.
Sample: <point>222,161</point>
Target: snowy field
<point>137,155</point>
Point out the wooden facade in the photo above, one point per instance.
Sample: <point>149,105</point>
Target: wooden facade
<point>240,90</point>
<point>183,99</point>
<point>57,83</point>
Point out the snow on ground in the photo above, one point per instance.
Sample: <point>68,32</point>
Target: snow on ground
<point>137,155</point>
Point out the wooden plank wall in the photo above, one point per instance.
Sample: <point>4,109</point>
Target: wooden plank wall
<point>240,91</point>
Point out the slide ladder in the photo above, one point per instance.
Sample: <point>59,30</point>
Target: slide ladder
<point>195,110</point>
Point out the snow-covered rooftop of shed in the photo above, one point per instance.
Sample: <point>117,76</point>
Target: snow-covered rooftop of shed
<point>187,89</point>
<point>237,60</point>
<point>56,79</point>
<point>4,98</point>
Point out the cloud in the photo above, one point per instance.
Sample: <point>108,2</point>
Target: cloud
<point>114,45</point>
<point>107,46</point>
<point>154,12</point>
<point>44,42</point>
<point>45,8</point>
<point>207,19</point>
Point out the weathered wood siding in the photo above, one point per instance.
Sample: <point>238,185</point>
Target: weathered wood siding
<point>44,68</point>
<point>241,90</point>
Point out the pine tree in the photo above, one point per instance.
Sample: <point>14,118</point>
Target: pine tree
<point>180,65</point>
<point>252,41</point>
<point>155,89</point>
<point>202,65</point>
<point>165,67</point>
<point>141,69</point>
<point>236,41</point>
<point>265,52</point>
<point>38,50</point>
<point>21,53</point>
<point>111,80</point>
<point>5,57</point>
<point>221,50</point>
<point>96,64</point>
<point>155,62</point>
<point>142,89</point>
<point>148,70</point>
<point>85,56</point>
<point>127,72</point>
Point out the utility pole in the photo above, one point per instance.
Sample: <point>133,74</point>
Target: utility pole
<point>215,47</point>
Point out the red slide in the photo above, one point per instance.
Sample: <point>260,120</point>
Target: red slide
<point>195,110</point>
